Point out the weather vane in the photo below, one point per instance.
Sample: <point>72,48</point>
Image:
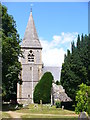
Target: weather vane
<point>31,6</point>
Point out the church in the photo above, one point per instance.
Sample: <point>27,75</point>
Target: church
<point>32,65</point>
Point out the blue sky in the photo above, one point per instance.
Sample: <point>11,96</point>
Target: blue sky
<point>57,24</point>
<point>50,17</point>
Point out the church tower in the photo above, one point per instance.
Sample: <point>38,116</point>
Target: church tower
<point>31,63</point>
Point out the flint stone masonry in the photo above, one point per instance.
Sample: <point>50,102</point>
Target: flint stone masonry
<point>32,66</point>
<point>37,55</point>
<point>31,70</point>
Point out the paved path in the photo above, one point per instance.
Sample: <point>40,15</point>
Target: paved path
<point>15,114</point>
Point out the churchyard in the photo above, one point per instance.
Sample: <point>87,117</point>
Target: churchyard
<point>37,111</point>
<point>28,81</point>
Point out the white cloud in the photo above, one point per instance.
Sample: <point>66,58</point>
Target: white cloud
<point>53,57</point>
<point>68,37</point>
<point>53,51</point>
<point>56,39</point>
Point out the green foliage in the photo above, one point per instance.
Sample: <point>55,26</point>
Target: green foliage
<point>88,109</point>
<point>42,90</point>
<point>58,104</point>
<point>81,99</point>
<point>10,52</point>
<point>76,66</point>
<point>57,82</point>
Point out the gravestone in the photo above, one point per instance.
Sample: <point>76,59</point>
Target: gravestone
<point>62,107</point>
<point>41,104</point>
<point>36,106</point>
<point>83,116</point>
<point>25,106</point>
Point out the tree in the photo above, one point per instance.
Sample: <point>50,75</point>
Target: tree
<point>88,109</point>
<point>72,46</point>
<point>81,98</point>
<point>78,42</point>
<point>42,90</point>
<point>11,51</point>
<point>76,66</point>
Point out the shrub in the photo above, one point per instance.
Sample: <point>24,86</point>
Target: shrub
<point>88,109</point>
<point>58,104</point>
<point>81,99</point>
<point>42,90</point>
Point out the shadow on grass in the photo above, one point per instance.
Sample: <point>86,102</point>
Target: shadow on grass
<point>68,106</point>
<point>11,107</point>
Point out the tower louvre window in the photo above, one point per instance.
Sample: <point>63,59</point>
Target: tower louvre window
<point>30,56</point>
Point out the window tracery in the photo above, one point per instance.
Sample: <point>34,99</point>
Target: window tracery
<point>30,56</point>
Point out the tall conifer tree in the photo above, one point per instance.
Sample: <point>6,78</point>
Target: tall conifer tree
<point>76,66</point>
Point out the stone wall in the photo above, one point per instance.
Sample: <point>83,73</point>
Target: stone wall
<point>30,74</point>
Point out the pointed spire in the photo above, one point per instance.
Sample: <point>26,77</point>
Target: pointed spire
<point>31,39</point>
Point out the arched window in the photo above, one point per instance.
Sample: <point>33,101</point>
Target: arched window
<point>30,56</point>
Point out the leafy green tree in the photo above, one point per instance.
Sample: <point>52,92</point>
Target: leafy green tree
<point>88,109</point>
<point>76,66</point>
<point>10,53</point>
<point>42,90</point>
<point>81,98</point>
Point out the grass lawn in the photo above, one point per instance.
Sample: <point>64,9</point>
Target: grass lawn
<point>49,117</point>
<point>5,115</point>
<point>40,112</point>
<point>47,112</point>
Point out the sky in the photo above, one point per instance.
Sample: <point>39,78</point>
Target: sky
<point>57,25</point>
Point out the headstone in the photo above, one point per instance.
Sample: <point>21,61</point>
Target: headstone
<point>62,107</point>
<point>36,106</point>
<point>25,105</point>
<point>41,104</point>
<point>83,116</point>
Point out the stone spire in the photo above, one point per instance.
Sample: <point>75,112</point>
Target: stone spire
<point>31,39</point>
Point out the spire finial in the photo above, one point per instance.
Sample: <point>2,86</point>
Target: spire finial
<point>31,9</point>
<point>31,6</point>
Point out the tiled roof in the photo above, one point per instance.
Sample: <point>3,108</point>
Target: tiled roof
<point>54,70</point>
